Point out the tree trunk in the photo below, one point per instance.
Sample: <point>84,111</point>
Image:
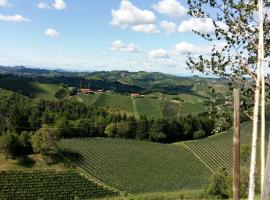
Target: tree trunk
<point>266,190</point>
<point>262,116</point>
<point>236,146</point>
<point>252,177</point>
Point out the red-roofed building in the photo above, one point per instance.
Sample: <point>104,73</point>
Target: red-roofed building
<point>86,91</point>
<point>135,95</point>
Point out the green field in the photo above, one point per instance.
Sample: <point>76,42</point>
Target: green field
<point>117,102</point>
<point>35,89</point>
<point>49,185</point>
<point>139,167</point>
<point>89,99</point>
<point>150,107</point>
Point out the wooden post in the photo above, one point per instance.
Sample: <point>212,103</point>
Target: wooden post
<point>236,146</point>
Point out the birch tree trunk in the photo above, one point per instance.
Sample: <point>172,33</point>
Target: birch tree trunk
<point>252,175</point>
<point>266,190</point>
<point>262,114</point>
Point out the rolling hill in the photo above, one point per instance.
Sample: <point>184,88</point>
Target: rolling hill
<point>139,167</point>
<point>29,87</point>
<point>150,107</point>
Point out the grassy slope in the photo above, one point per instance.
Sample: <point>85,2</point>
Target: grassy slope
<point>149,107</point>
<point>117,102</point>
<point>38,90</point>
<point>137,166</point>
<point>89,99</point>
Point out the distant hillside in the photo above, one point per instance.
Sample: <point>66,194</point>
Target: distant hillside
<point>29,87</point>
<point>122,81</point>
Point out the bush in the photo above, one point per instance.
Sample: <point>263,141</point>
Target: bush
<point>10,145</point>
<point>220,185</point>
<point>198,134</point>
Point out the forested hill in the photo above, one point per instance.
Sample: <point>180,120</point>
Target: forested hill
<point>119,81</point>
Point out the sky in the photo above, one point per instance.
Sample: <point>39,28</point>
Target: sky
<point>96,35</point>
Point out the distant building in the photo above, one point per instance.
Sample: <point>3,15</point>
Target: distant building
<point>135,95</point>
<point>86,91</point>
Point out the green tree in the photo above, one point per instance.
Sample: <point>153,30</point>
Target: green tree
<point>111,130</point>
<point>220,185</point>
<point>10,145</point>
<point>45,140</point>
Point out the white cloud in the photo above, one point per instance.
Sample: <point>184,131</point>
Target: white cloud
<point>5,3</point>
<point>52,33</point>
<point>202,25</point>
<point>57,4</point>
<point>185,48</point>
<point>145,28</point>
<point>158,53</point>
<point>169,27</point>
<point>118,45</point>
<point>43,5</point>
<point>13,18</point>
<point>172,8</point>
<point>129,15</point>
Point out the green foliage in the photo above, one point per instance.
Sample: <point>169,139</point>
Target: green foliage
<point>49,185</point>
<point>245,152</point>
<point>198,134</point>
<point>75,119</point>
<point>44,141</point>
<point>111,130</point>
<point>136,166</point>
<point>10,144</point>
<point>220,185</point>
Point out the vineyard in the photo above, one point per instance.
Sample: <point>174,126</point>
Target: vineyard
<point>216,150</point>
<point>139,167</point>
<point>61,94</point>
<point>48,185</point>
<point>136,166</point>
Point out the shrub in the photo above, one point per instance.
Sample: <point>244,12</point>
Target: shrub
<point>220,185</point>
<point>198,134</point>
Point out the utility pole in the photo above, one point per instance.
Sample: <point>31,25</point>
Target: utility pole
<point>236,146</point>
<point>252,175</point>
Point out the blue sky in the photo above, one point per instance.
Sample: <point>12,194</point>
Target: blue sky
<point>89,35</point>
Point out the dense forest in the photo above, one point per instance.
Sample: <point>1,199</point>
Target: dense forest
<point>74,119</point>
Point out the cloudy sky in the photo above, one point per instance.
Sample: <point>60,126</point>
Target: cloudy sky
<point>89,35</point>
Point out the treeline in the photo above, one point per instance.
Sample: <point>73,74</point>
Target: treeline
<point>20,114</point>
